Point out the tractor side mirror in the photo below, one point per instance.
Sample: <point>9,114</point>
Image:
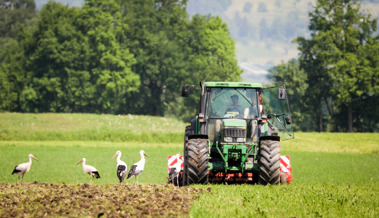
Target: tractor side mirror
<point>288,119</point>
<point>186,90</point>
<point>282,94</point>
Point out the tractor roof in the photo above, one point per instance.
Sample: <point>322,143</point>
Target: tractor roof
<point>233,84</point>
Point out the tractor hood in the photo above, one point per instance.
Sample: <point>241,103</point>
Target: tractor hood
<point>233,123</point>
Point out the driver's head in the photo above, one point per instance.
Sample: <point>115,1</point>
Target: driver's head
<point>234,99</point>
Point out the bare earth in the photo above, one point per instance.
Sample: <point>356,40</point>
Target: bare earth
<point>46,199</point>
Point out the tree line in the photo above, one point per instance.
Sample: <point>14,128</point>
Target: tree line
<point>132,56</point>
<point>109,56</point>
<point>334,84</point>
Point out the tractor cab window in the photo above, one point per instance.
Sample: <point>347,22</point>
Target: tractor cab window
<point>232,103</point>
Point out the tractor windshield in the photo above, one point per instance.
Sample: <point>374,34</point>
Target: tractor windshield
<point>232,103</point>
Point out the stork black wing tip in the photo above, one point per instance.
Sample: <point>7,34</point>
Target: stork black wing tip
<point>131,171</point>
<point>97,175</point>
<point>15,170</point>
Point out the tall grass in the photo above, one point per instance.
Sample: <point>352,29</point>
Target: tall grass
<point>327,200</point>
<point>93,127</point>
<point>359,143</point>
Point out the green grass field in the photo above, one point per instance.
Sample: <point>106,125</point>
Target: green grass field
<point>335,174</point>
<point>89,127</point>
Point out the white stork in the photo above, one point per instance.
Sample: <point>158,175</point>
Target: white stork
<point>23,168</point>
<point>175,170</point>
<point>92,171</point>
<point>138,167</point>
<point>121,167</point>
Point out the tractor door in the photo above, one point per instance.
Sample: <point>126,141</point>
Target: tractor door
<point>277,109</point>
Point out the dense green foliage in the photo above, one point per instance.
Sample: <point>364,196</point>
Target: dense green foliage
<point>112,56</point>
<point>341,62</point>
<point>16,19</point>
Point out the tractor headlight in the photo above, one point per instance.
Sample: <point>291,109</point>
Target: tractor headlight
<point>241,140</point>
<point>228,139</point>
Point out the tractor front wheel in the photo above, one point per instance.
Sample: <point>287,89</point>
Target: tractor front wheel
<point>269,170</point>
<point>197,161</point>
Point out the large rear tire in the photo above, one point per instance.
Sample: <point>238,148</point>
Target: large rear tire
<point>269,170</point>
<point>188,131</point>
<point>197,161</point>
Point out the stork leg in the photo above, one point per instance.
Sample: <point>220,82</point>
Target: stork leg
<point>136,181</point>
<point>91,180</point>
<point>23,178</point>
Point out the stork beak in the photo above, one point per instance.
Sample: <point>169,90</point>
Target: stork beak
<point>115,155</point>
<point>145,154</point>
<point>35,158</point>
<point>79,162</point>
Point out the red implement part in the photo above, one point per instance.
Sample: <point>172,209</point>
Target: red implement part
<point>285,169</point>
<point>175,162</point>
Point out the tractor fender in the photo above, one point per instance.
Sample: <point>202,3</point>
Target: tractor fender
<point>271,137</point>
<point>197,137</point>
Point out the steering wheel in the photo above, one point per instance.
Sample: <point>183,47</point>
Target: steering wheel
<point>229,112</point>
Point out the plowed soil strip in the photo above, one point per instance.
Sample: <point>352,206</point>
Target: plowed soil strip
<point>45,199</point>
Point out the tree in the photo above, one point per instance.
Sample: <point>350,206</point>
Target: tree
<point>211,58</point>
<point>110,61</point>
<point>16,18</point>
<point>344,50</point>
<point>12,76</point>
<point>155,34</point>
<point>13,13</point>
<point>172,51</point>
<point>75,59</point>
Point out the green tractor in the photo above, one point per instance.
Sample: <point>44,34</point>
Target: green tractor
<point>235,136</point>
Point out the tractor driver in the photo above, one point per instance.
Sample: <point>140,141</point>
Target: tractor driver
<point>235,107</point>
